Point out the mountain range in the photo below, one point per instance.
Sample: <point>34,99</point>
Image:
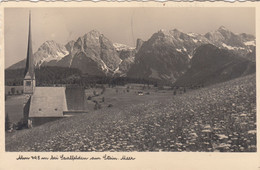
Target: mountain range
<point>169,55</point>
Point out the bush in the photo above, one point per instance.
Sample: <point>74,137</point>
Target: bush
<point>13,90</point>
<point>174,92</point>
<point>7,122</point>
<point>103,90</point>
<point>97,106</point>
<point>110,105</point>
<point>103,99</point>
<point>22,124</point>
<point>89,98</point>
<point>94,93</point>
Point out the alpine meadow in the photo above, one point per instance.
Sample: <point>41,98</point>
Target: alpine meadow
<point>126,80</point>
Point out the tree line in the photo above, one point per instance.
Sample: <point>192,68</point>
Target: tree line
<point>53,75</point>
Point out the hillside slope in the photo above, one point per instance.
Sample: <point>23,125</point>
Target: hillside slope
<point>221,117</point>
<point>211,65</point>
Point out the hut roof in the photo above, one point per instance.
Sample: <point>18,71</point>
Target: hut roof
<point>48,102</point>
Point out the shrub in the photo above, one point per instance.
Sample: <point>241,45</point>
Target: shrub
<point>103,99</point>
<point>94,93</point>
<point>13,90</point>
<point>110,105</point>
<point>89,98</point>
<point>174,92</point>
<point>103,90</point>
<point>8,123</point>
<point>97,106</point>
<point>22,124</point>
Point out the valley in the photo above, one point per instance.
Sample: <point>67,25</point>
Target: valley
<point>218,118</point>
<point>174,92</point>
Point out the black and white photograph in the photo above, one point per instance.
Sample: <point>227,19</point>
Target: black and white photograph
<point>132,79</point>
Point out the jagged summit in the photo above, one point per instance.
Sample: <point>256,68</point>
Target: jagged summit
<point>93,33</point>
<point>94,52</point>
<point>162,32</point>
<point>139,43</point>
<point>49,51</point>
<point>50,44</point>
<point>223,28</point>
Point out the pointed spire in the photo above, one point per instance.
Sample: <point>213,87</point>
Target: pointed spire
<point>29,69</point>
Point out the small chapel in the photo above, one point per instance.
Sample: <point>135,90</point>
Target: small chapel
<point>44,104</point>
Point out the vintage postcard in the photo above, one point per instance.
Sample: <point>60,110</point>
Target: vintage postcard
<point>129,85</point>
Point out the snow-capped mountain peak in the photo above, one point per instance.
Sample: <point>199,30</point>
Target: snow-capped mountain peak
<point>120,47</point>
<point>48,51</point>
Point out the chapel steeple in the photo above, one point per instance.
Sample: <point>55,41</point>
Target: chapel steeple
<point>29,74</point>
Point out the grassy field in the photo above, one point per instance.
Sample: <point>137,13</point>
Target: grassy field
<point>14,107</point>
<point>17,89</point>
<point>221,117</point>
<point>14,103</point>
<point>120,97</point>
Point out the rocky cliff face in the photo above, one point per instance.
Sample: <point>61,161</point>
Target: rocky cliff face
<point>49,51</point>
<point>94,47</point>
<point>127,56</point>
<point>139,43</point>
<point>211,64</point>
<point>158,58</point>
<point>166,55</point>
<point>238,43</point>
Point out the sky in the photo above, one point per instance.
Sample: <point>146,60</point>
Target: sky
<point>120,25</point>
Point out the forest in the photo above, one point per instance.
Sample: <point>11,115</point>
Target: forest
<point>53,75</point>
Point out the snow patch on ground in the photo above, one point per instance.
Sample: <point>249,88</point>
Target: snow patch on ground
<point>248,43</point>
<point>57,57</point>
<point>121,47</point>
<point>231,48</point>
<point>179,50</point>
<point>191,34</point>
<point>104,66</point>
<point>194,40</point>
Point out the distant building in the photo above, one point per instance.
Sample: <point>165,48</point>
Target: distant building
<point>43,104</point>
